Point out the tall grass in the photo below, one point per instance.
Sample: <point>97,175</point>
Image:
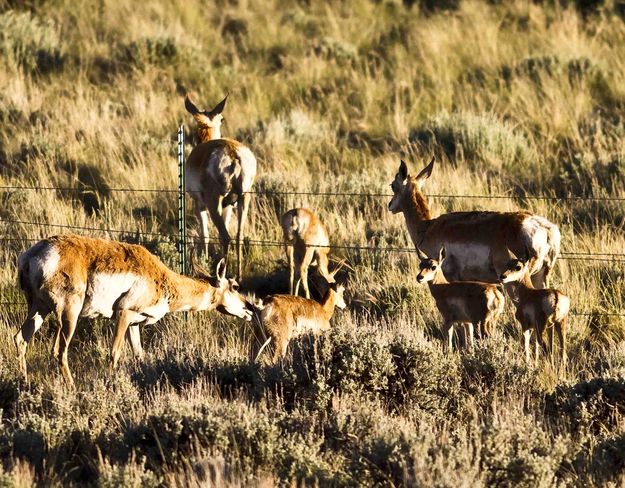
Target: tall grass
<point>514,98</point>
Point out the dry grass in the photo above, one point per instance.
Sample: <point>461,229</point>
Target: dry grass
<point>515,98</point>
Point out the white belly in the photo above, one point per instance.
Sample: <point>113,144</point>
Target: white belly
<point>104,290</point>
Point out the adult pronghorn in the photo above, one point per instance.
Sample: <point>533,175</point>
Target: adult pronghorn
<point>220,173</point>
<point>476,242</point>
<point>76,276</point>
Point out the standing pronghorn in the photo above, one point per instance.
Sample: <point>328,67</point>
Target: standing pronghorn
<point>283,317</point>
<point>476,242</point>
<point>75,276</point>
<point>220,173</point>
<point>470,303</point>
<point>304,237</point>
<point>537,309</point>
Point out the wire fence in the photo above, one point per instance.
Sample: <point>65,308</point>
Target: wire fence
<point>580,256</point>
<point>570,255</point>
<point>322,193</point>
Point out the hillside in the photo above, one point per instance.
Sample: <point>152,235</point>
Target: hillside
<point>523,106</point>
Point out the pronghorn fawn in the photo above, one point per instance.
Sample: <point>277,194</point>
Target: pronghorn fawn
<point>471,303</point>
<point>537,309</point>
<point>220,173</point>
<point>283,317</point>
<point>475,241</point>
<point>305,237</point>
<point>75,276</point>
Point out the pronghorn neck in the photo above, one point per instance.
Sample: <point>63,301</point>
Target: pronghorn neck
<point>206,133</point>
<point>191,294</point>
<point>417,214</point>
<point>526,280</point>
<point>328,303</point>
<point>439,278</point>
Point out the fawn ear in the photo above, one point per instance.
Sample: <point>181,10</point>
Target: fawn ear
<point>220,270</point>
<point>403,170</point>
<point>442,255</point>
<point>218,108</point>
<point>421,254</point>
<point>188,104</point>
<point>425,173</point>
<point>511,255</point>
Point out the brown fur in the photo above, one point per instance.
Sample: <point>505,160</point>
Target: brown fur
<point>305,237</point>
<point>76,269</point>
<point>538,310</point>
<point>470,303</point>
<point>284,317</point>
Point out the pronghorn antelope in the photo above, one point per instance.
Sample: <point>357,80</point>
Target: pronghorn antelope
<point>305,237</point>
<point>76,276</point>
<point>219,176</point>
<point>471,303</point>
<point>537,309</point>
<point>476,242</point>
<point>283,317</point>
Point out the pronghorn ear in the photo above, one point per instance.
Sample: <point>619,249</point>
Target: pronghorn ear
<point>197,270</point>
<point>442,255</point>
<point>511,255</point>
<point>427,171</point>
<point>218,108</point>
<point>220,270</point>
<point>421,254</point>
<point>403,170</point>
<point>188,104</point>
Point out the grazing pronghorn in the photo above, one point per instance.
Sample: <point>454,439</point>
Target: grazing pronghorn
<point>476,242</point>
<point>283,317</point>
<point>537,309</point>
<point>305,237</point>
<point>76,276</point>
<point>471,303</point>
<point>219,176</point>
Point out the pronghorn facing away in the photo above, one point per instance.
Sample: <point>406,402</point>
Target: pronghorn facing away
<point>220,173</point>
<point>537,309</point>
<point>471,303</point>
<point>283,317</point>
<point>476,242</point>
<point>305,237</point>
<point>75,276</point>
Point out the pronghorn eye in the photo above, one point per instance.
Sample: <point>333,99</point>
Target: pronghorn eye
<point>235,287</point>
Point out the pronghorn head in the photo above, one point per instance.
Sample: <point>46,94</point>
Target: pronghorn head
<point>516,268</point>
<point>428,267</point>
<point>226,294</point>
<point>208,121</point>
<point>339,299</point>
<point>406,187</point>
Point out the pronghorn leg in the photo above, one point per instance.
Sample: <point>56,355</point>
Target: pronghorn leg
<point>468,327</point>
<point>69,317</point>
<point>123,321</point>
<point>33,322</point>
<point>56,345</point>
<point>322,259</point>
<point>536,346</point>
<point>303,270</point>
<point>448,329</point>
<point>215,211</point>
<point>527,335</point>
<point>561,331</point>
<point>291,262</point>
<point>550,326</point>
<point>202,216</point>
<point>242,210</point>
<point>135,341</point>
